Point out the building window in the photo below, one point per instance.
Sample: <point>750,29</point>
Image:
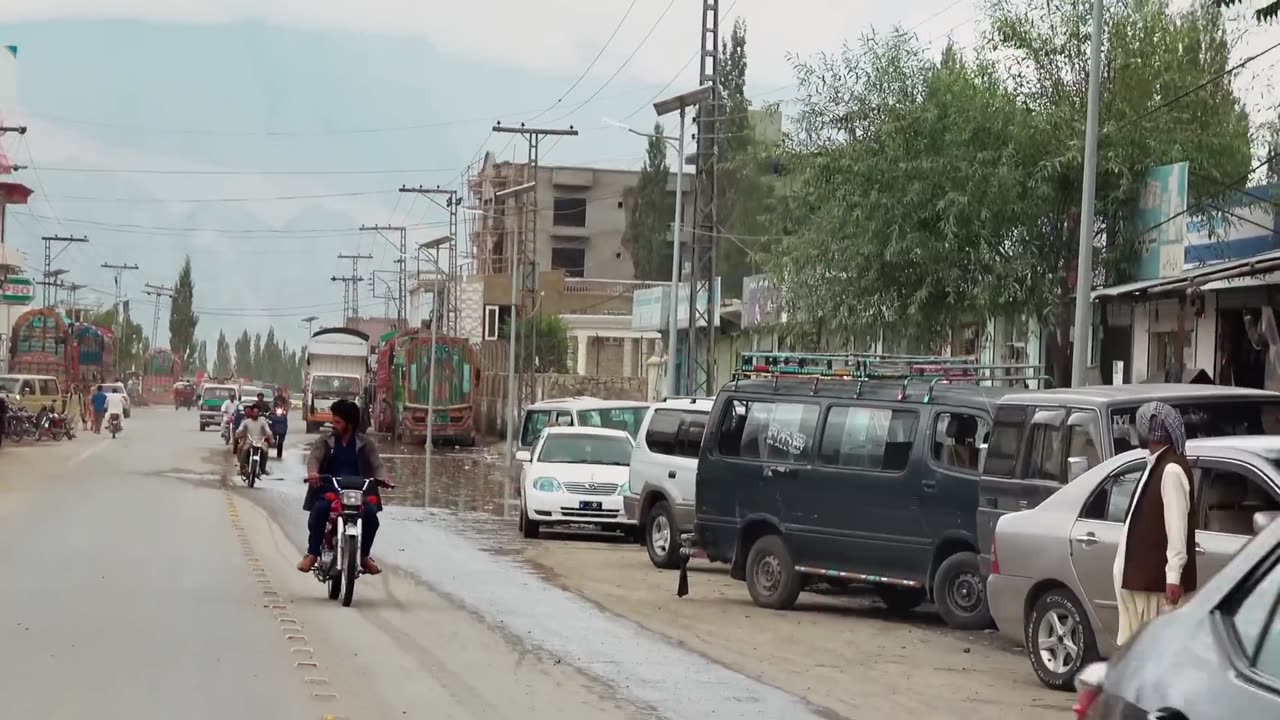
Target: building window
<point>495,320</point>
<point>571,260</point>
<point>570,212</point>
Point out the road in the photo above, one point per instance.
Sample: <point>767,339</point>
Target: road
<point>141,584</point>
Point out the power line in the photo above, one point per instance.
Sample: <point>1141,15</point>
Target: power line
<point>268,198</point>
<point>155,171</point>
<point>649,103</point>
<point>335,232</point>
<point>591,65</point>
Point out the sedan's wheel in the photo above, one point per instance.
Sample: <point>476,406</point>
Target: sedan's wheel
<point>772,579</point>
<point>529,528</point>
<point>660,537</point>
<point>1059,638</point>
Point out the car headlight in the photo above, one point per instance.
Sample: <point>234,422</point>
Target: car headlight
<point>352,497</point>
<point>624,488</point>
<point>546,484</point>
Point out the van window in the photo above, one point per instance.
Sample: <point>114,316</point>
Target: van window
<point>1045,459</point>
<point>660,436</point>
<point>535,421</point>
<point>693,426</point>
<point>956,437</point>
<point>1006,438</point>
<point>869,438</point>
<point>28,387</point>
<point>626,419</point>
<point>1080,439</point>
<point>49,388</point>
<point>765,430</point>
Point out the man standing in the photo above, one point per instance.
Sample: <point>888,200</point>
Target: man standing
<point>99,409</point>
<point>1153,569</point>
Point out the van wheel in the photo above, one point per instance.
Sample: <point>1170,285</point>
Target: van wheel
<point>961,594</point>
<point>901,599</point>
<point>661,538</point>
<point>772,579</point>
<point>1059,638</point>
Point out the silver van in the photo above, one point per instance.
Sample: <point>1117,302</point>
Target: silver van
<point>626,415</point>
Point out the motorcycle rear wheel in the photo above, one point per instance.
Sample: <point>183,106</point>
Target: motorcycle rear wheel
<point>350,568</point>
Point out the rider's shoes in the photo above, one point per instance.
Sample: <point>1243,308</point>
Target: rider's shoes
<point>371,567</point>
<point>308,562</point>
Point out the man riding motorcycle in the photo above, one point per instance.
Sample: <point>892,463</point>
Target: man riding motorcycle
<point>344,453</point>
<point>253,428</point>
<point>115,407</point>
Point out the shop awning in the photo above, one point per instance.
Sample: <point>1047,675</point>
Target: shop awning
<point>1196,278</point>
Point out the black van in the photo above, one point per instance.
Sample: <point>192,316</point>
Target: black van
<point>802,482</point>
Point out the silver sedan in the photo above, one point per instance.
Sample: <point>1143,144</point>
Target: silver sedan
<point>1051,585</point>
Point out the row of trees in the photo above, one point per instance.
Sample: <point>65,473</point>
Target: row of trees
<point>266,359</point>
<point>929,190</point>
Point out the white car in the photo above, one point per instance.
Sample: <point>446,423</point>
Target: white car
<point>575,475</point>
<point>118,389</point>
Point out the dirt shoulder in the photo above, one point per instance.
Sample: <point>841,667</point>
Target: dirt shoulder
<point>845,654</point>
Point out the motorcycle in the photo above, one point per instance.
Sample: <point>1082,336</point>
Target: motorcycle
<point>22,425</point>
<point>340,563</point>
<point>226,432</point>
<point>115,425</point>
<point>53,425</point>
<point>256,462</point>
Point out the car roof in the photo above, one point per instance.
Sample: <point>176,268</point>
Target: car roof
<point>1139,393</point>
<point>961,393</point>
<point>586,430</point>
<point>700,404</point>
<point>1266,445</point>
<point>586,403</point>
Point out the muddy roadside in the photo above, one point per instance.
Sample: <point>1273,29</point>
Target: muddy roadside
<point>847,654</point>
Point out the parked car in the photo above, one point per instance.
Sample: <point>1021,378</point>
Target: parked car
<point>31,392</point>
<point>1051,581</point>
<point>118,389</point>
<point>664,470</point>
<point>1043,439</point>
<point>1218,656</point>
<point>825,480</point>
<point>625,415</point>
<point>575,475</point>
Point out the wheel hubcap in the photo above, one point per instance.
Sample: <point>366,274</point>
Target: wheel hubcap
<point>769,574</point>
<point>1058,640</point>
<point>660,535</point>
<point>965,593</point>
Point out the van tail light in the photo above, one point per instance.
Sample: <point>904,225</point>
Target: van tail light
<point>995,558</point>
<point>1089,687</point>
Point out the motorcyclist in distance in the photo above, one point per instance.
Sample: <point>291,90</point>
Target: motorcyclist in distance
<point>253,427</point>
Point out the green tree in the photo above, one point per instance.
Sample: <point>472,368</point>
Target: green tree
<point>650,211</point>
<point>551,333</point>
<point>256,356</point>
<point>202,357</point>
<point>183,318</point>
<point>1264,12</point>
<point>222,365</point>
<point>244,355</point>
<point>132,342</point>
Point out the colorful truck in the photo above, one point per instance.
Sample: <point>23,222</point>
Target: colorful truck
<point>337,369</point>
<point>160,370</point>
<point>404,393</point>
<point>40,345</point>
<point>93,354</point>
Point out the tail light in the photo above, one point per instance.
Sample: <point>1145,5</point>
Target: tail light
<point>1089,687</point>
<point>995,558</point>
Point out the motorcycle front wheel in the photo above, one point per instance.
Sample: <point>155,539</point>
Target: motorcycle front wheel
<point>350,568</point>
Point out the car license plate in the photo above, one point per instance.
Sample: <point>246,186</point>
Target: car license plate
<point>590,505</point>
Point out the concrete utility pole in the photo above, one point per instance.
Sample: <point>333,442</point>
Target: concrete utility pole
<point>526,256</point>
<point>402,288</point>
<point>157,291</point>
<point>1084,273</point>
<point>350,288</point>
<point>700,369</point>
<point>119,270</point>
<point>49,240</point>
<point>513,327</point>
<point>354,300</point>
<point>436,244</point>
<point>453,283</point>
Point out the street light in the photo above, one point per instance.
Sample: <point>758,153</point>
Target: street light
<point>681,104</point>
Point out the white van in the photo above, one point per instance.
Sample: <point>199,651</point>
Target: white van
<point>625,415</point>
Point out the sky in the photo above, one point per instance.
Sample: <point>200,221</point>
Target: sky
<point>258,135</point>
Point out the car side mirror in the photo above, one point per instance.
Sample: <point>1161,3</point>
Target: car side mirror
<point>1263,519</point>
<point>1077,466</point>
<point>524,456</point>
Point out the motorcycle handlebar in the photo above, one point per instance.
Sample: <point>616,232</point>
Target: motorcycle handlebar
<point>377,481</point>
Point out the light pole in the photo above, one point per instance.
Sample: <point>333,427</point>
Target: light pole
<point>665,107</point>
<point>431,364</point>
<point>513,269</point>
<point>1084,271</point>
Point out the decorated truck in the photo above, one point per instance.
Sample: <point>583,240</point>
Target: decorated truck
<point>93,354</point>
<point>337,369</point>
<point>405,392</point>
<point>160,370</point>
<point>40,345</point>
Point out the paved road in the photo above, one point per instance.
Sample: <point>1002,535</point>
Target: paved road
<point>140,584</point>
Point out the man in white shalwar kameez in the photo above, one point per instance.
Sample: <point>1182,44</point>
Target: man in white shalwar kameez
<point>1153,570</point>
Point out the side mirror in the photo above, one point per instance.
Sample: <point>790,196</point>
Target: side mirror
<point>1077,466</point>
<point>524,456</point>
<point>1263,519</point>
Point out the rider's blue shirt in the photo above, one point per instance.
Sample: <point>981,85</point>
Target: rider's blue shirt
<point>345,459</point>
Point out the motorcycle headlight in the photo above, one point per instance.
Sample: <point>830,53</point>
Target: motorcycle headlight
<point>352,497</point>
<point>546,484</point>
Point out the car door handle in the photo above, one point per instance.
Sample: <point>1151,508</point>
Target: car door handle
<point>772,470</point>
<point>929,485</point>
<point>1023,504</point>
<point>1199,549</point>
<point>1087,539</point>
<point>1166,714</point>
<point>671,474</point>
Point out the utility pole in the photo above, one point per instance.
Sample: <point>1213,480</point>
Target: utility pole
<point>72,290</point>
<point>119,270</point>
<point>701,365</point>
<point>1084,271</point>
<point>526,260</point>
<point>157,291</point>
<point>403,261</point>
<point>354,300</point>
<point>452,282</point>
<point>49,257</point>
<point>308,320</point>
<point>350,288</point>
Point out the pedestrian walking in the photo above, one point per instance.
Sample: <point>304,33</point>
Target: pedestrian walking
<point>99,409</point>
<point>1153,569</point>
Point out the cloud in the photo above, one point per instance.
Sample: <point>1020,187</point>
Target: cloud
<point>556,36</point>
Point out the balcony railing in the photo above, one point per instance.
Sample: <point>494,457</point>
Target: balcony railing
<point>593,286</point>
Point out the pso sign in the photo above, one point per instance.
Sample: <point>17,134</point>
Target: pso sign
<point>17,290</point>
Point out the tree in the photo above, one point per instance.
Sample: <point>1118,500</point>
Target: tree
<point>1266,12</point>
<point>183,318</point>
<point>132,343</point>
<point>244,355</point>
<point>929,192</point>
<point>222,365</point>
<point>650,211</point>
<point>256,361</point>
<point>551,346</point>
<point>202,358</point>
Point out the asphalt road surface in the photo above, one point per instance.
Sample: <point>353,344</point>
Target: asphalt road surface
<point>140,584</point>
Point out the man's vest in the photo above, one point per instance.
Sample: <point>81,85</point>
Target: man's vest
<point>1145,548</point>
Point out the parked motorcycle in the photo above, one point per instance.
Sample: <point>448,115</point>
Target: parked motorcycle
<point>22,425</point>
<point>115,425</point>
<point>256,463</point>
<point>52,425</point>
<point>340,562</point>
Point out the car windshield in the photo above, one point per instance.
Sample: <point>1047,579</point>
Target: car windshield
<point>113,389</point>
<point>586,450</point>
<point>1222,418</point>
<point>626,419</point>
<point>329,384</point>
<point>219,393</point>
<point>9,385</point>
